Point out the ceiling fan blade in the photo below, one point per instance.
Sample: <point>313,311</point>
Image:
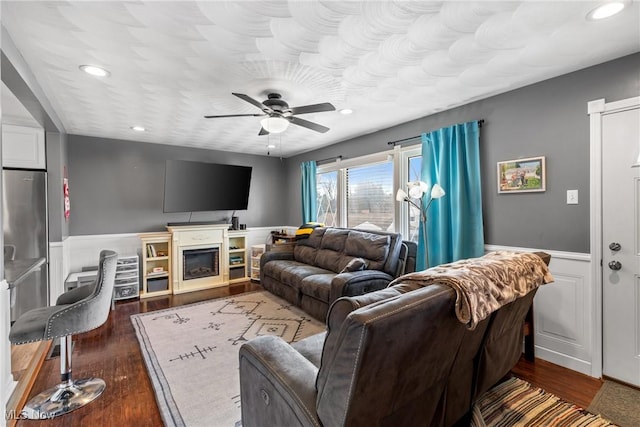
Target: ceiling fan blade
<point>307,124</point>
<point>263,131</point>
<point>315,108</point>
<point>252,101</point>
<point>234,115</point>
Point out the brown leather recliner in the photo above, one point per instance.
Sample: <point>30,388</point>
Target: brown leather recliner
<point>386,363</point>
<point>395,357</point>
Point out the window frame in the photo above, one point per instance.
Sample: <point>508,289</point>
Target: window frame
<point>399,156</point>
<point>403,173</point>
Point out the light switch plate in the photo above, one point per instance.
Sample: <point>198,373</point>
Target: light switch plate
<point>572,197</point>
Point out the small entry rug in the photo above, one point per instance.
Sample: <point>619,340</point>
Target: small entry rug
<point>619,403</point>
<point>517,403</point>
<point>191,352</point>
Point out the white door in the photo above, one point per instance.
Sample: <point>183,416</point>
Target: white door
<point>621,245</point>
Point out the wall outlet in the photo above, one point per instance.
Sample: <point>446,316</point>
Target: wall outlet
<point>572,197</point>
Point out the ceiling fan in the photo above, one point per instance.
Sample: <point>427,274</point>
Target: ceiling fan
<point>279,114</point>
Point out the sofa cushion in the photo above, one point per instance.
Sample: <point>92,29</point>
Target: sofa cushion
<point>372,247</point>
<point>334,239</point>
<point>318,286</point>
<point>291,273</point>
<point>311,347</point>
<point>305,254</point>
<point>330,260</point>
<point>305,249</point>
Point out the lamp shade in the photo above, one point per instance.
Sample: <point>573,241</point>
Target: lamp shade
<point>437,192</point>
<point>274,124</point>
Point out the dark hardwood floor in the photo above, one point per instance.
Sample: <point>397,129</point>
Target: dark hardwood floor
<point>111,352</point>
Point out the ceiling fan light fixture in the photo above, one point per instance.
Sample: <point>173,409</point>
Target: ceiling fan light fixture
<point>274,124</point>
<point>95,71</point>
<point>606,10</point>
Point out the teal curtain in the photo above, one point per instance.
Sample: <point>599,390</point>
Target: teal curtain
<point>451,158</point>
<point>309,191</point>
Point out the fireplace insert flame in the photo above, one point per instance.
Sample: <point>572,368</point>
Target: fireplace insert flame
<point>199,263</point>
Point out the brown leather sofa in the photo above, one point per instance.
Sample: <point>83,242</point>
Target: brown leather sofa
<point>395,357</point>
<point>335,262</point>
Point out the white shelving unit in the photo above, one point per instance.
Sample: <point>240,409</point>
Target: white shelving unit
<point>256,254</point>
<point>156,264</point>
<point>127,283</point>
<point>237,250</point>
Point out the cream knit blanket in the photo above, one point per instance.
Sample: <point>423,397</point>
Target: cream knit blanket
<point>485,284</point>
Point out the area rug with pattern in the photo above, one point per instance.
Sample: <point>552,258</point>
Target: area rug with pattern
<point>516,403</point>
<point>191,352</point>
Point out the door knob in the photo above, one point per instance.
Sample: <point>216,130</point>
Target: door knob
<point>615,265</point>
<point>615,246</point>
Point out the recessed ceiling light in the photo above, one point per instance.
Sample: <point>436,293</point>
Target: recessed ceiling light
<point>346,111</point>
<point>138,128</point>
<point>606,10</point>
<point>95,71</point>
<point>271,146</point>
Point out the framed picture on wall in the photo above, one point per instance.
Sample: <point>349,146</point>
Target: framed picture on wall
<point>522,175</point>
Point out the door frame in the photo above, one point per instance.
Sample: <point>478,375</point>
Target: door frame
<point>596,109</point>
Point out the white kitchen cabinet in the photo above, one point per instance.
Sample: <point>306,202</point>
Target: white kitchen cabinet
<point>23,147</point>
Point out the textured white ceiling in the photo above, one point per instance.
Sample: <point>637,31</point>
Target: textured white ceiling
<point>171,63</point>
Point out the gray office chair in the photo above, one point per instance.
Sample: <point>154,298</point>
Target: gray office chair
<point>79,310</point>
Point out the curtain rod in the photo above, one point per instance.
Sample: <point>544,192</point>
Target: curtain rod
<point>329,159</point>
<point>480,122</point>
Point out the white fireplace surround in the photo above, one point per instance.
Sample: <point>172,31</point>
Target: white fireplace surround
<point>190,237</point>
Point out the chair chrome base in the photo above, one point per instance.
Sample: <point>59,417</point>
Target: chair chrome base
<point>63,398</point>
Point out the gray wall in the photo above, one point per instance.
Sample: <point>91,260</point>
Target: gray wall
<point>117,186</point>
<point>56,162</point>
<point>549,119</point>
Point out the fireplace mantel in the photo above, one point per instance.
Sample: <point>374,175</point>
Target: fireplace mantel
<point>189,237</point>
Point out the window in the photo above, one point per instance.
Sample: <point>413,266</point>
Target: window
<point>360,192</point>
<point>370,197</point>
<point>414,173</point>
<point>327,201</point>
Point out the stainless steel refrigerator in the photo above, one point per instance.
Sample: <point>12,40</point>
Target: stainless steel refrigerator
<point>26,235</point>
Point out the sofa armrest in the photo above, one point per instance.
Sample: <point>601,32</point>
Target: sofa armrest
<point>274,256</point>
<point>358,283</point>
<point>277,385</point>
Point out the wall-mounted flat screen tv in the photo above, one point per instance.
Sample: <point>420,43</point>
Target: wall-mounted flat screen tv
<point>198,186</point>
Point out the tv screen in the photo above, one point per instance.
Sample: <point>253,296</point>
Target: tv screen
<point>198,186</point>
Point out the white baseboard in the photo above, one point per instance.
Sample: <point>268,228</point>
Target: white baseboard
<point>563,360</point>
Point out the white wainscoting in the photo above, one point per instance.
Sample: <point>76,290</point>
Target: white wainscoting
<point>6,379</point>
<point>84,251</point>
<point>56,271</point>
<point>76,252</point>
<point>563,320</point>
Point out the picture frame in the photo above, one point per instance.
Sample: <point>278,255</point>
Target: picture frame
<point>522,175</point>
